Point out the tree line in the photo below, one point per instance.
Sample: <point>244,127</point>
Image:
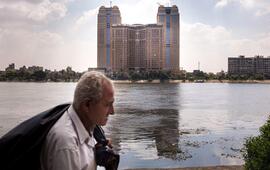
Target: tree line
<point>68,75</point>
<point>65,75</point>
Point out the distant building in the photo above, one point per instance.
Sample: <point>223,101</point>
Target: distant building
<point>69,69</point>
<point>169,18</point>
<point>249,65</point>
<point>11,67</point>
<point>101,70</point>
<point>106,17</point>
<point>138,47</point>
<point>196,72</point>
<point>35,68</point>
<point>23,69</point>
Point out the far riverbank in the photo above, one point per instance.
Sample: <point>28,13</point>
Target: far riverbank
<point>186,81</point>
<point>233,167</point>
<point>154,81</point>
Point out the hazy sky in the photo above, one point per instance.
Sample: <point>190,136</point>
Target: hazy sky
<point>60,33</point>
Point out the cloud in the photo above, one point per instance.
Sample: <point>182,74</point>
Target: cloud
<point>86,18</point>
<point>31,47</point>
<point>33,1</point>
<point>136,12</point>
<point>261,7</point>
<point>48,10</point>
<point>16,1</point>
<point>212,45</point>
<point>26,40</point>
<point>29,13</point>
<point>264,8</point>
<point>249,4</point>
<point>20,40</point>
<point>205,44</point>
<point>244,3</point>
<point>221,3</point>
<point>47,49</point>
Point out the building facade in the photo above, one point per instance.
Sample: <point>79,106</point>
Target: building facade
<point>11,67</point>
<point>106,17</point>
<point>133,47</point>
<point>169,18</point>
<point>137,47</point>
<point>249,65</point>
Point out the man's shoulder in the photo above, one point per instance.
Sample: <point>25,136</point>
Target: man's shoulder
<point>63,133</point>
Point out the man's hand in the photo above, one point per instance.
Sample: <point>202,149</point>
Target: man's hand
<point>109,143</point>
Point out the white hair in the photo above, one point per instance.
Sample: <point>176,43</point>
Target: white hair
<point>89,88</point>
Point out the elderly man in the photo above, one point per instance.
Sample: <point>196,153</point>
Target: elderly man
<point>70,144</point>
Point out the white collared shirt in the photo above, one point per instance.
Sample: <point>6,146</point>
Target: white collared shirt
<point>68,145</point>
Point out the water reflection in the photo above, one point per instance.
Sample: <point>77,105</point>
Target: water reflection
<point>148,96</point>
<point>154,131</point>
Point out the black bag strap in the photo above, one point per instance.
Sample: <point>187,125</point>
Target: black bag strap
<point>99,135</point>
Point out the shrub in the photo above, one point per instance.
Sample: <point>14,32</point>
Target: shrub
<point>257,149</point>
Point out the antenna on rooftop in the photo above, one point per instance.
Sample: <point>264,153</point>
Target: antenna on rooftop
<point>169,3</point>
<point>110,3</point>
<point>198,65</point>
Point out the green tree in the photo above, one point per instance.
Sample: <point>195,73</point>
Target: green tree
<point>39,75</point>
<point>243,77</point>
<point>257,150</point>
<point>134,76</point>
<point>233,77</point>
<point>212,76</point>
<point>164,75</point>
<point>259,77</point>
<point>11,75</point>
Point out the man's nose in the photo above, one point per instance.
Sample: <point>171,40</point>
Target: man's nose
<point>112,110</point>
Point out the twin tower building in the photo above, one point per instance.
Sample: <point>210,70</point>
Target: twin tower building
<point>124,47</point>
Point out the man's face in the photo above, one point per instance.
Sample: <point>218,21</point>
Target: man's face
<point>101,110</point>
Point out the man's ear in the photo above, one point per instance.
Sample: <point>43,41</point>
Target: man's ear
<point>85,106</point>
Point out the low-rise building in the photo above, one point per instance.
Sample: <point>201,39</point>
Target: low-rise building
<point>33,69</point>
<point>11,67</point>
<point>249,65</point>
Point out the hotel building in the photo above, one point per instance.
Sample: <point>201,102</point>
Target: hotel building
<point>139,47</point>
<point>169,18</point>
<point>106,17</point>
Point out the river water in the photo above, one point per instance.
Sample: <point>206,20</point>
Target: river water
<point>160,125</point>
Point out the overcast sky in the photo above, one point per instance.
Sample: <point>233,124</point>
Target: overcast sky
<point>60,33</point>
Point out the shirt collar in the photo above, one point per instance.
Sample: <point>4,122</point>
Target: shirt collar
<point>82,133</point>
